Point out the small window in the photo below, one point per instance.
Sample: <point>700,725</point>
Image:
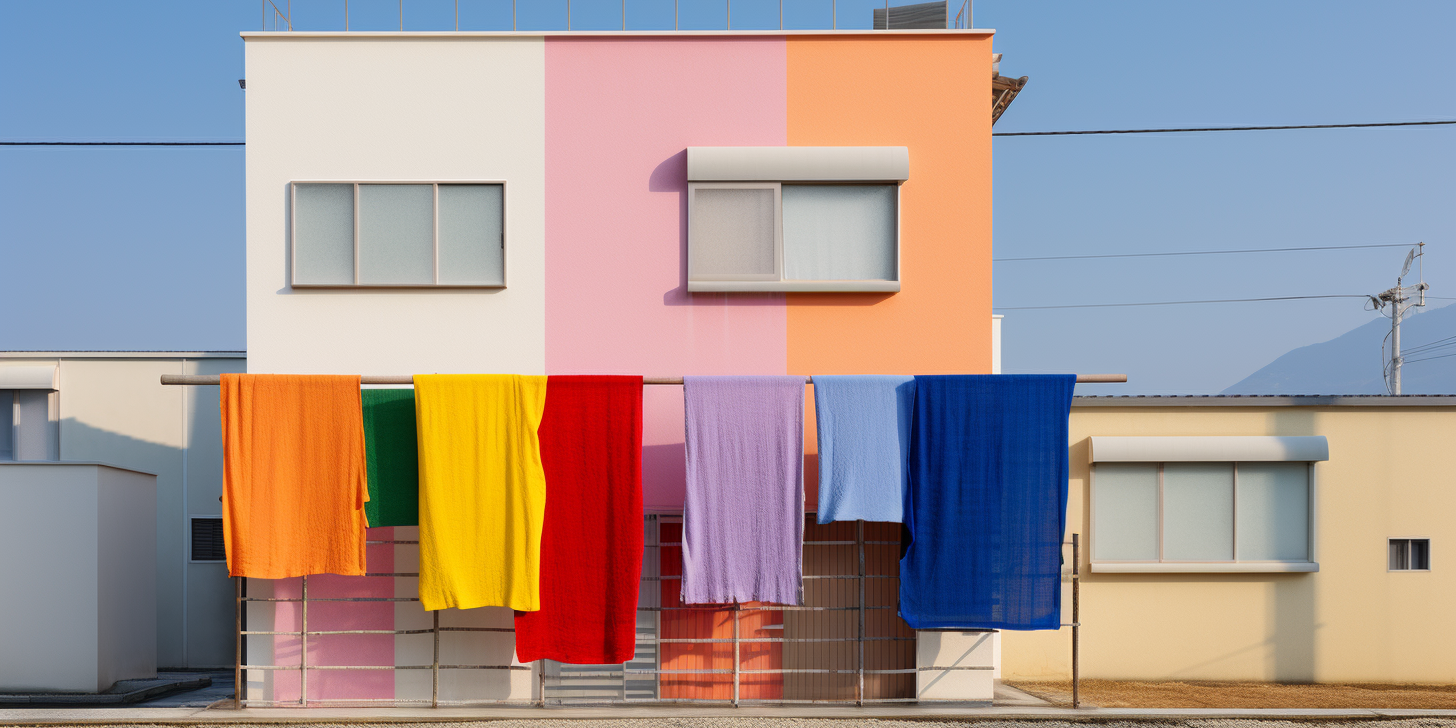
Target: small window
<point>1410,554</point>
<point>28,426</point>
<point>410,235</point>
<point>1201,516</point>
<point>795,218</point>
<point>207,542</point>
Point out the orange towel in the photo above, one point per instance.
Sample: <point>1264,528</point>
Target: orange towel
<point>294,475</point>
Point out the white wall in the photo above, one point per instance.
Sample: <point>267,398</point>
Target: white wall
<point>113,409</point>
<point>76,545</point>
<point>426,109</point>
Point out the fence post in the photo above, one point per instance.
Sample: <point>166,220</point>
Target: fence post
<point>1076,620</point>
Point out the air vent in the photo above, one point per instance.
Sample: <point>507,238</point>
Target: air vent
<point>207,543</point>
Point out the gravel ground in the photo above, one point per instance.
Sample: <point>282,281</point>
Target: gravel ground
<point>722,722</point>
<point>1177,694</point>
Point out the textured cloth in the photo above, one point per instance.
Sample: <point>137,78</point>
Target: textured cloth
<point>293,485</point>
<point>743,515</point>
<point>591,545</point>
<point>987,502</point>
<point>864,438</point>
<point>482,490</point>
<point>394,467</point>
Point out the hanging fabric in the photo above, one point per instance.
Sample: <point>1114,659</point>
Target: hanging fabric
<point>743,514</point>
<point>863,423</point>
<point>482,489</point>
<point>987,502</point>
<point>390,446</point>
<point>591,543</point>
<point>293,488</point>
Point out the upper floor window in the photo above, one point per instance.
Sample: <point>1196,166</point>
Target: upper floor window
<point>1204,504</point>
<point>795,218</point>
<point>407,234</point>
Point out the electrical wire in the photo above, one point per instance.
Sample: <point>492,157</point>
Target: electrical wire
<point>1428,358</point>
<point>1078,132</point>
<point>1174,303</point>
<point>1202,252</point>
<point>1442,122</point>
<point>121,144</point>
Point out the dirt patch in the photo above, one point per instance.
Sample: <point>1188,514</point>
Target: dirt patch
<point>1176,694</point>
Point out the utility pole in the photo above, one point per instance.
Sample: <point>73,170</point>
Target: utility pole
<point>1400,300</point>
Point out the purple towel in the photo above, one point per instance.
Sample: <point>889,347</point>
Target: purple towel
<point>743,518</point>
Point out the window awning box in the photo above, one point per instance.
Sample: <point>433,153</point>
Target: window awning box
<point>798,164</point>
<point>1168,449</point>
<point>29,377</point>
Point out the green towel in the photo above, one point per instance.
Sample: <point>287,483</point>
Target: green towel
<point>389,444</point>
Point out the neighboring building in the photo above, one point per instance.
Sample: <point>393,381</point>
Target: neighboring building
<point>75,410</point>
<point>644,203</point>
<point>1221,544</point>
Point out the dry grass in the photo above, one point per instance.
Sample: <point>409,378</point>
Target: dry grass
<point>1173,694</point>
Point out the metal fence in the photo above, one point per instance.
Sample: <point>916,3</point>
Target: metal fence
<point>657,680</point>
<point>276,17</point>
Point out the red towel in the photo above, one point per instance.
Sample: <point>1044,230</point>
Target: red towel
<point>591,544</point>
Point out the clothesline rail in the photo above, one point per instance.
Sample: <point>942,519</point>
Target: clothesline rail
<point>213,379</point>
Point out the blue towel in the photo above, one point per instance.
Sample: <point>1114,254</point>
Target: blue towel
<point>864,437</point>
<point>987,502</point>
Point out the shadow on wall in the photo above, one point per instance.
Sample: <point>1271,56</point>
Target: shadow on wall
<point>209,601</point>
<point>664,475</point>
<point>672,176</point>
<point>1293,616</point>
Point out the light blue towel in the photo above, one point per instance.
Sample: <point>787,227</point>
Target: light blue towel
<point>864,439</point>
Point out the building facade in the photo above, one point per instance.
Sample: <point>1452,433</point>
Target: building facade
<point>605,167</point>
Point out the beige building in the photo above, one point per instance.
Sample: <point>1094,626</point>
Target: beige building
<point>1221,544</point>
<point>108,412</point>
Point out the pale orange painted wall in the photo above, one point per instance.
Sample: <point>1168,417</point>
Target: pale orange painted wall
<point>931,94</point>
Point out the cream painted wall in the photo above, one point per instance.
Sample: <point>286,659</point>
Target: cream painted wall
<point>429,109</point>
<point>1352,621</point>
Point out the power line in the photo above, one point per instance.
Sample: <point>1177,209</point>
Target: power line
<point>1221,128</point>
<point>1412,361</point>
<point>1202,252</point>
<point>1174,303</point>
<point>121,144</point>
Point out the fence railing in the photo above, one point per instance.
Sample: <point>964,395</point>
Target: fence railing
<point>279,17</point>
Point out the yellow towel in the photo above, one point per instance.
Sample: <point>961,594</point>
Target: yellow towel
<point>482,490</point>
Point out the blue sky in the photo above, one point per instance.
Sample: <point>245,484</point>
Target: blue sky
<point>143,248</point>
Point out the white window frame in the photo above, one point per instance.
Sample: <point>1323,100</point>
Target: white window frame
<point>760,167</point>
<point>1426,570</point>
<point>1234,565</point>
<point>777,283</point>
<point>435,184</point>
<point>778,233</point>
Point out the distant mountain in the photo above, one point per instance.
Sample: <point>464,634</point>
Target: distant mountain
<point>1350,363</point>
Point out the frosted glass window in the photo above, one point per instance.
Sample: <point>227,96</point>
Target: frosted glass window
<point>1125,502</point>
<point>471,234</point>
<point>323,234</point>
<point>396,234</point>
<point>7,424</point>
<point>839,232</point>
<point>1198,511</point>
<point>1273,511</point>
<point>734,233</point>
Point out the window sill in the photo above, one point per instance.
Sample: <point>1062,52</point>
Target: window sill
<point>1226,567</point>
<point>414,286</point>
<point>793,286</point>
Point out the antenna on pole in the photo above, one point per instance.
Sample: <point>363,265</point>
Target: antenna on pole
<point>1400,300</point>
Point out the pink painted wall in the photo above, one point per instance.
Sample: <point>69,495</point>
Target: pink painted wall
<point>350,649</point>
<point>620,114</point>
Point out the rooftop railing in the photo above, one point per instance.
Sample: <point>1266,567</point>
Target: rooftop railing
<point>605,15</point>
